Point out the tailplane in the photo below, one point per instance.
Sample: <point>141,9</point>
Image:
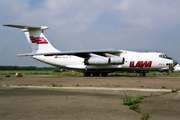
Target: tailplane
<point>39,43</point>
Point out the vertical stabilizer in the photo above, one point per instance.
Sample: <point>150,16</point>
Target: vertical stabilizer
<point>38,42</point>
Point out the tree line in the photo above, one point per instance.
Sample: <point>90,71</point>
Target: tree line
<point>26,68</point>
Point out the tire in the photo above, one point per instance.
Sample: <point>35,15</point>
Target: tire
<point>96,74</point>
<point>104,74</point>
<point>142,74</point>
<point>87,74</point>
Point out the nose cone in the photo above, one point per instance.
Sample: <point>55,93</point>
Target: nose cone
<point>175,63</point>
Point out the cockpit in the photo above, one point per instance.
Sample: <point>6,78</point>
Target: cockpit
<point>165,56</point>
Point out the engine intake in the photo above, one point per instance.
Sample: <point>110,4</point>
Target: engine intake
<point>117,60</point>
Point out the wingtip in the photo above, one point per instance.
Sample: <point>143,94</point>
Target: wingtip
<point>21,55</point>
<point>7,25</point>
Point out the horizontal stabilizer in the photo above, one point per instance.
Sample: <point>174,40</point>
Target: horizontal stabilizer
<point>22,55</point>
<point>26,27</point>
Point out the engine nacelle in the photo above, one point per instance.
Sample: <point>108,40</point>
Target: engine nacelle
<point>117,60</point>
<point>97,61</point>
<point>104,61</point>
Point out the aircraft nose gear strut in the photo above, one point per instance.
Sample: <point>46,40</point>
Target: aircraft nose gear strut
<point>142,74</point>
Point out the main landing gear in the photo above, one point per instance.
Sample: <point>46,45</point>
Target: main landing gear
<point>142,74</point>
<point>88,74</point>
<point>104,74</point>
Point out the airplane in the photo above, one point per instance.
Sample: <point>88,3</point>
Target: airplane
<point>177,68</point>
<point>93,62</point>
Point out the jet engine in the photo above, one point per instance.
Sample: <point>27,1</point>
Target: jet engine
<point>97,61</point>
<point>117,60</point>
<point>104,61</point>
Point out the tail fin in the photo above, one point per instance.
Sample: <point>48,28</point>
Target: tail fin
<point>39,43</point>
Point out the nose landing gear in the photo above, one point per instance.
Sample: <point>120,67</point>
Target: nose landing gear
<point>142,74</point>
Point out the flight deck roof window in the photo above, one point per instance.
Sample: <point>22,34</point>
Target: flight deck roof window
<point>164,56</point>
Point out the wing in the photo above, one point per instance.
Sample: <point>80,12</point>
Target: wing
<point>81,53</point>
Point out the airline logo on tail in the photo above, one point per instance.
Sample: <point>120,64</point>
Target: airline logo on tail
<point>38,40</point>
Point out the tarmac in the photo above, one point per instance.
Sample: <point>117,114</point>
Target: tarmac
<point>30,101</point>
<point>163,107</point>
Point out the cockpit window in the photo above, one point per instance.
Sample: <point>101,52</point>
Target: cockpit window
<point>164,56</point>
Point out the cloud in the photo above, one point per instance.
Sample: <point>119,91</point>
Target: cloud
<point>149,14</point>
<point>73,15</point>
<point>141,25</point>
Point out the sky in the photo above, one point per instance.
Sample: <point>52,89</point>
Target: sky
<point>134,25</point>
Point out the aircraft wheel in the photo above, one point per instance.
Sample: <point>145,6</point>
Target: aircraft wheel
<point>142,74</point>
<point>104,74</point>
<point>96,74</point>
<point>87,74</point>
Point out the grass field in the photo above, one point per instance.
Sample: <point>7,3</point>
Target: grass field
<point>51,72</point>
<point>40,73</point>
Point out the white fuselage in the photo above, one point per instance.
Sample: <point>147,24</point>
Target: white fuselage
<point>134,61</point>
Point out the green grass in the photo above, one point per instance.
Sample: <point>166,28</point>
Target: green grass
<point>51,72</point>
<point>150,73</point>
<point>111,85</point>
<point>56,70</point>
<point>145,116</point>
<point>134,106</point>
<point>137,110</point>
<point>71,72</point>
<point>54,84</point>
<point>168,73</point>
<point>128,100</point>
<point>133,103</point>
<point>150,95</point>
<point>174,90</point>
